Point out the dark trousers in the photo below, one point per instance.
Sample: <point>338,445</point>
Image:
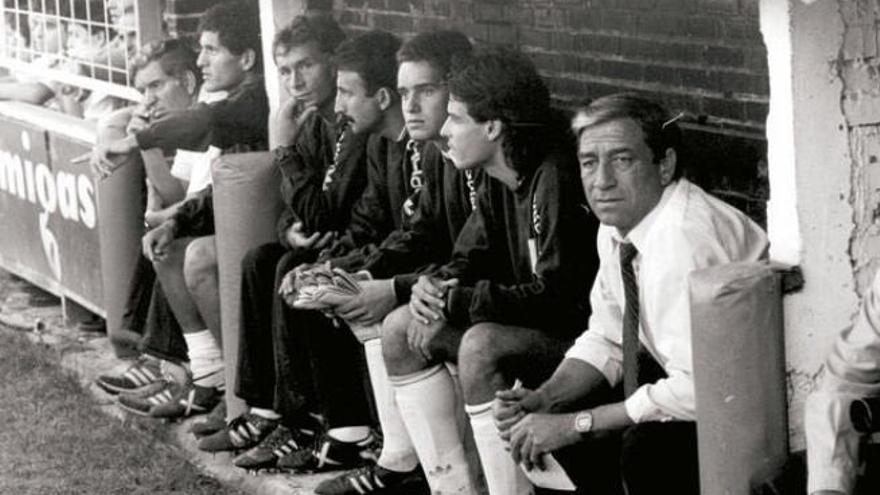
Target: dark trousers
<point>140,289</point>
<point>261,272</point>
<point>660,458</point>
<point>163,337</point>
<point>647,458</point>
<point>295,361</point>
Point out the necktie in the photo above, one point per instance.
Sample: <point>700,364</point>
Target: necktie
<point>628,253</point>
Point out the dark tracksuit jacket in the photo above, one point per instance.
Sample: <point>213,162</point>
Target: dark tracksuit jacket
<point>527,257</point>
<point>322,177</point>
<point>426,243</point>
<point>235,125</point>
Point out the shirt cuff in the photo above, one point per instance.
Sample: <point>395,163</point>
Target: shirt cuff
<point>830,478</point>
<point>597,359</point>
<point>641,409</point>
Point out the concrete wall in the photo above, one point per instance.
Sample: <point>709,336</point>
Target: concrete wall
<point>823,134</point>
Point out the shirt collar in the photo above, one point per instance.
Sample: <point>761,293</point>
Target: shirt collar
<point>403,137</point>
<point>639,234</point>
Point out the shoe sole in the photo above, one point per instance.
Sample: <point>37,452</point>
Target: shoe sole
<point>132,410</point>
<point>113,390</point>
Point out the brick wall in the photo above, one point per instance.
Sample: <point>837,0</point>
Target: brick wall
<point>182,16</point>
<point>705,57</point>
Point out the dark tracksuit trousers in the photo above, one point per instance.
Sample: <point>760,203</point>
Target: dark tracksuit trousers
<point>278,346</point>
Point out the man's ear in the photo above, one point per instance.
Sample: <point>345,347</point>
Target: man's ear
<point>248,59</point>
<point>667,166</point>
<point>189,83</point>
<point>385,98</point>
<point>494,129</point>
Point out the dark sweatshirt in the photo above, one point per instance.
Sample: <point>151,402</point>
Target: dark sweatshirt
<point>380,209</point>
<point>492,260</point>
<point>236,124</point>
<point>322,177</point>
<point>426,242</point>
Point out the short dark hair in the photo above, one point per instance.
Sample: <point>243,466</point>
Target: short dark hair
<point>501,83</point>
<point>659,128</point>
<point>320,29</point>
<point>237,24</point>
<point>176,56</point>
<point>371,56</point>
<point>438,48</point>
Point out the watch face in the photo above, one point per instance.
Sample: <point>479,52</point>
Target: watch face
<point>583,422</point>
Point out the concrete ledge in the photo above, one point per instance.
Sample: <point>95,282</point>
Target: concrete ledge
<point>28,309</point>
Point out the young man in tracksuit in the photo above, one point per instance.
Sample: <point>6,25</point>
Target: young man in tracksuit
<point>445,203</point>
<point>323,167</point>
<point>367,97</point>
<point>512,299</point>
<point>186,267</point>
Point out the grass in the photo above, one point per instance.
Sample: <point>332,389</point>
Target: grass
<point>55,440</point>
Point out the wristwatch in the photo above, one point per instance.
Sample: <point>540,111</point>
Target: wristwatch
<point>583,422</point>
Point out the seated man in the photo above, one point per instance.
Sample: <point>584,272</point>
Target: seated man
<point>186,267</point>
<point>45,36</point>
<point>323,167</point>
<point>852,371</point>
<point>515,289</point>
<point>656,228</point>
<point>367,98</point>
<point>444,204</point>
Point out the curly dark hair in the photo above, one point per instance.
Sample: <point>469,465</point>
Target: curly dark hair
<point>371,56</point>
<point>321,29</point>
<point>660,129</point>
<point>499,83</point>
<point>438,48</point>
<point>237,24</point>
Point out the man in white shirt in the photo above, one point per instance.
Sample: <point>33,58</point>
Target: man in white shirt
<point>656,228</point>
<point>852,371</point>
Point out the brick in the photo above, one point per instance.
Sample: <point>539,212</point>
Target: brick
<point>505,35</point>
<point>597,43</point>
<point>461,10</point>
<point>376,4</point>
<point>618,21</point>
<point>724,56</point>
<point>756,112</point>
<point>663,75</point>
<point>657,24</point>
<point>352,18</point>
<point>638,48</point>
<point>702,27</point>
<point>756,59</point>
<point>584,19</point>
<point>478,32</point>
<point>535,37</point>
<point>488,12</point>
<point>741,30</point>
<point>438,8</point>
<point>702,79</point>
<point>354,4</point>
<point>563,41</point>
<point>616,69</point>
<point>422,24</point>
<point>403,6</point>
<point>188,6</point>
<point>744,83</point>
<point>392,22</point>
<point>721,108</point>
<point>587,66</point>
<point>319,5</point>
<point>718,6</point>
<point>551,62</point>
<point>678,6</point>
<point>548,17</point>
<point>519,15</point>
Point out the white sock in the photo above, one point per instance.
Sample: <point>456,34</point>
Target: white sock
<point>427,402</point>
<point>205,359</point>
<point>349,434</point>
<point>503,476</point>
<point>398,453</point>
<point>265,413</point>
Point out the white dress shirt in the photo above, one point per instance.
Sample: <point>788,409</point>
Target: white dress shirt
<point>687,230</point>
<point>852,371</point>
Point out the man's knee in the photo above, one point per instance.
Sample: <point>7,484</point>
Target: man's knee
<point>200,262</point>
<point>173,258</point>
<point>393,334</point>
<point>481,349</point>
